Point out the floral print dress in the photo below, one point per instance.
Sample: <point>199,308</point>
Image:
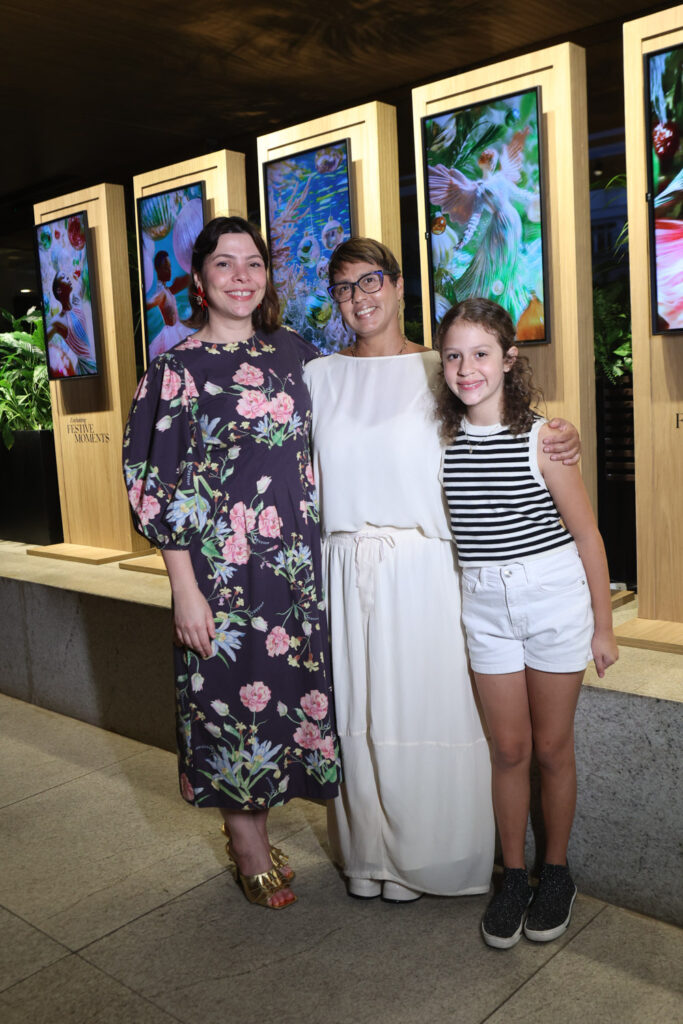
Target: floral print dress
<point>217,462</point>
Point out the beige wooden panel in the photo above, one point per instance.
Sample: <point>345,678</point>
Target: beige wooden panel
<point>564,368</point>
<point>89,413</point>
<point>371,129</point>
<point>225,189</point>
<point>652,634</point>
<point>657,361</point>
<point>148,563</point>
<point>85,553</point>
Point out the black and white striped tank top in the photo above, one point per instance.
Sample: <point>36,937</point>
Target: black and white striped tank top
<point>500,508</point>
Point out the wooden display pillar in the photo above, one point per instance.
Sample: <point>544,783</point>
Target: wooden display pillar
<point>225,191</point>
<point>89,412</point>
<point>657,376</point>
<point>371,129</point>
<point>564,368</point>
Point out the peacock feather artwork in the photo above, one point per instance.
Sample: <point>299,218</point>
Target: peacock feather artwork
<point>309,213</point>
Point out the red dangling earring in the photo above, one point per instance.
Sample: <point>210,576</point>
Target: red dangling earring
<point>199,295</point>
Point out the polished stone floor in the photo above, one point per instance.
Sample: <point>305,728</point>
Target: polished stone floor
<point>116,908</point>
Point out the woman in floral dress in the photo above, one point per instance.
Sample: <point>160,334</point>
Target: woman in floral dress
<point>218,473</point>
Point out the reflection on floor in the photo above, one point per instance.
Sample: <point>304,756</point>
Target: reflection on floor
<point>116,907</point>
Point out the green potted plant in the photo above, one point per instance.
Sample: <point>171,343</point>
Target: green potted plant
<point>611,294</point>
<point>29,510</point>
<point>612,331</point>
<point>614,400</point>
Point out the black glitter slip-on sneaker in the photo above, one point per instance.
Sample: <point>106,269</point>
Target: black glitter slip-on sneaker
<point>551,910</point>
<point>502,923</point>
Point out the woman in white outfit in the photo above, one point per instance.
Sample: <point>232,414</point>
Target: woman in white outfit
<point>415,812</point>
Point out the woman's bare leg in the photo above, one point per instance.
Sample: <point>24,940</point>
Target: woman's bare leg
<point>250,845</point>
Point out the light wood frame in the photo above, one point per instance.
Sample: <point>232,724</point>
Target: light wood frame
<point>657,376</point>
<point>565,367</point>
<point>373,160</point>
<point>95,516</point>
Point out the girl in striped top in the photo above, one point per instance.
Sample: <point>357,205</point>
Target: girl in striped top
<point>536,600</point>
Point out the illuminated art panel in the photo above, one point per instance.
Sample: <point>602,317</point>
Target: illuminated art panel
<point>485,209</point>
<point>65,265</point>
<point>664,106</point>
<point>308,206</point>
<point>168,224</point>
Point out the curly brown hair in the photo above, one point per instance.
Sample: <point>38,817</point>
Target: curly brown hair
<point>267,316</point>
<point>520,394</point>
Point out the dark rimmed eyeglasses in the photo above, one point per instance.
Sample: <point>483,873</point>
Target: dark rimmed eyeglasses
<point>368,283</point>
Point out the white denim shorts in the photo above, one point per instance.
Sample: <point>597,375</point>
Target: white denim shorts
<point>536,613</point>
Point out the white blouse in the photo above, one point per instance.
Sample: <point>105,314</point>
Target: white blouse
<point>376,450</point>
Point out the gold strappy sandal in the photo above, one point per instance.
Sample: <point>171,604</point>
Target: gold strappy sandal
<point>281,860</point>
<point>259,888</point>
<point>278,857</point>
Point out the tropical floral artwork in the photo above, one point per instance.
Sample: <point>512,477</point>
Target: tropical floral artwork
<point>665,127</point>
<point>62,247</point>
<point>485,209</point>
<point>309,214</point>
<point>168,225</point>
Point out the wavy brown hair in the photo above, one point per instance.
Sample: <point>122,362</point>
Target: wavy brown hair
<point>267,315</point>
<point>364,250</point>
<point>520,394</point>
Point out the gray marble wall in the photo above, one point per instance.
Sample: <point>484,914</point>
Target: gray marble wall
<point>109,662</point>
<point>625,846</point>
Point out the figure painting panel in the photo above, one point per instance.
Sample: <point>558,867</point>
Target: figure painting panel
<point>664,76</point>
<point>169,223</point>
<point>65,276</point>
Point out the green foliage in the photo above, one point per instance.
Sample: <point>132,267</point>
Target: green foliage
<point>413,331</point>
<point>612,330</point>
<point>24,386</point>
<point>612,304</point>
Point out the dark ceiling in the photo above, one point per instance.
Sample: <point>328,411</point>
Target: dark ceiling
<point>104,92</point>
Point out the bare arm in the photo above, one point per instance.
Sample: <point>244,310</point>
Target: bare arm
<point>56,327</point>
<point>192,618</point>
<point>570,497</point>
<point>156,300</point>
<point>562,442</point>
<point>180,282</point>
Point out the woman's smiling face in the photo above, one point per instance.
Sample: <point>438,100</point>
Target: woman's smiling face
<point>234,277</point>
<point>365,314</point>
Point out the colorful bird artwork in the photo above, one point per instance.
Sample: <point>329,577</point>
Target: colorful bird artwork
<point>483,175</point>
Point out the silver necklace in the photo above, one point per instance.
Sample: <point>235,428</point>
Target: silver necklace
<point>471,444</point>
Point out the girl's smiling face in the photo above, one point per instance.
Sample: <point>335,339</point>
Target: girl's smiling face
<point>474,366</point>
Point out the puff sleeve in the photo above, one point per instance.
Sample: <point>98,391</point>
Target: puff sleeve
<point>162,444</point>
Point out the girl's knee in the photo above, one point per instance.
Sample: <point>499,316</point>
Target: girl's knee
<point>554,754</point>
<point>511,753</point>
